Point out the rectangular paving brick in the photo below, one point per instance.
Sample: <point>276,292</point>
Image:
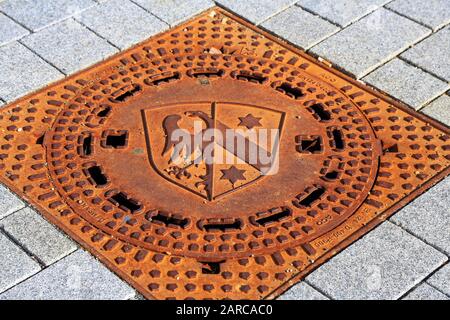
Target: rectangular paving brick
<point>439,109</point>
<point>9,202</point>
<point>407,83</point>
<point>175,11</point>
<point>121,22</point>
<point>15,264</point>
<point>17,61</point>
<point>76,277</point>
<point>432,54</point>
<point>37,236</point>
<point>370,42</point>
<point>10,30</point>
<point>428,217</point>
<point>441,279</point>
<point>342,12</point>
<point>36,15</point>
<point>385,264</point>
<point>425,292</point>
<point>256,11</point>
<point>76,48</point>
<point>300,27</point>
<point>302,291</point>
<point>432,13</point>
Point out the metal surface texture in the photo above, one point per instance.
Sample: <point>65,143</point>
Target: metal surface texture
<point>89,153</point>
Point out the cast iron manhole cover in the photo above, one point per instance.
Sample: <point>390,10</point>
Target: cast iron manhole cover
<point>94,154</point>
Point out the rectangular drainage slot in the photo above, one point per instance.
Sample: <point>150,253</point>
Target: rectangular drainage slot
<point>312,196</point>
<point>122,201</point>
<point>97,176</point>
<point>274,216</point>
<point>170,220</point>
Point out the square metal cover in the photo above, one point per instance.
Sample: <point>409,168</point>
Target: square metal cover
<point>90,154</point>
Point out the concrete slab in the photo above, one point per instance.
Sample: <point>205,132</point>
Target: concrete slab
<point>254,10</point>
<point>428,217</point>
<point>17,61</point>
<point>407,83</point>
<point>432,54</point>
<point>302,291</point>
<point>288,23</point>
<point>425,292</point>
<point>36,15</point>
<point>37,236</point>
<point>385,264</point>
<point>76,47</point>
<point>9,202</point>
<point>342,12</point>
<point>370,42</point>
<point>441,279</point>
<point>439,109</point>
<point>15,264</point>
<point>175,11</point>
<point>10,30</point>
<point>76,277</point>
<point>121,22</point>
<point>432,13</point>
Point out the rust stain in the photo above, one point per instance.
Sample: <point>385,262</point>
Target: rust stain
<point>91,154</point>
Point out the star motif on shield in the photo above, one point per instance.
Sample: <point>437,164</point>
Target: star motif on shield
<point>250,121</point>
<point>233,174</point>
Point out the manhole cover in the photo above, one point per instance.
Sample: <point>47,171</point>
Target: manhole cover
<point>106,155</point>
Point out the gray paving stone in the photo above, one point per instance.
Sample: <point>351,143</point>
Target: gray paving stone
<point>9,202</point>
<point>17,61</point>
<point>428,217</point>
<point>385,264</point>
<point>175,11</point>
<point>36,15</point>
<point>302,291</point>
<point>342,12</point>
<point>121,22</point>
<point>432,54</point>
<point>10,30</point>
<point>441,279</point>
<point>37,236</point>
<point>15,265</point>
<point>256,11</point>
<point>69,46</point>
<point>370,42</point>
<point>76,277</point>
<point>407,83</point>
<point>432,13</point>
<point>439,109</point>
<point>300,27</point>
<point>425,292</point>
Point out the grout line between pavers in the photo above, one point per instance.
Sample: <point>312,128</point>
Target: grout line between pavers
<point>418,237</point>
<point>317,288</point>
<point>431,102</point>
<point>42,269</point>
<point>342,28</point>
<point>423,69</point>
<point>19,23</point>
<point>318,15</point>
<point>22,247</point>
<point>98,35</point>
<point>157,17</point>
<point>424,281</point>
<point>53,23</point>
<point>45,60</point>
<point>409,18</point>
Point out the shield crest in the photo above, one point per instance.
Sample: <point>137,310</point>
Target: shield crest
<point>212,149</point>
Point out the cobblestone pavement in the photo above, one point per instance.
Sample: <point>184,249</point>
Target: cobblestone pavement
<point>400,47</point>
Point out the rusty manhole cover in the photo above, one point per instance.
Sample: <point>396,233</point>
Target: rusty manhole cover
<point>92,153</point>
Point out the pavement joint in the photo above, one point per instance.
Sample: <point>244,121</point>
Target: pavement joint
<point>160,19</point>
<point>41,57</point>
<point>17,243</point>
